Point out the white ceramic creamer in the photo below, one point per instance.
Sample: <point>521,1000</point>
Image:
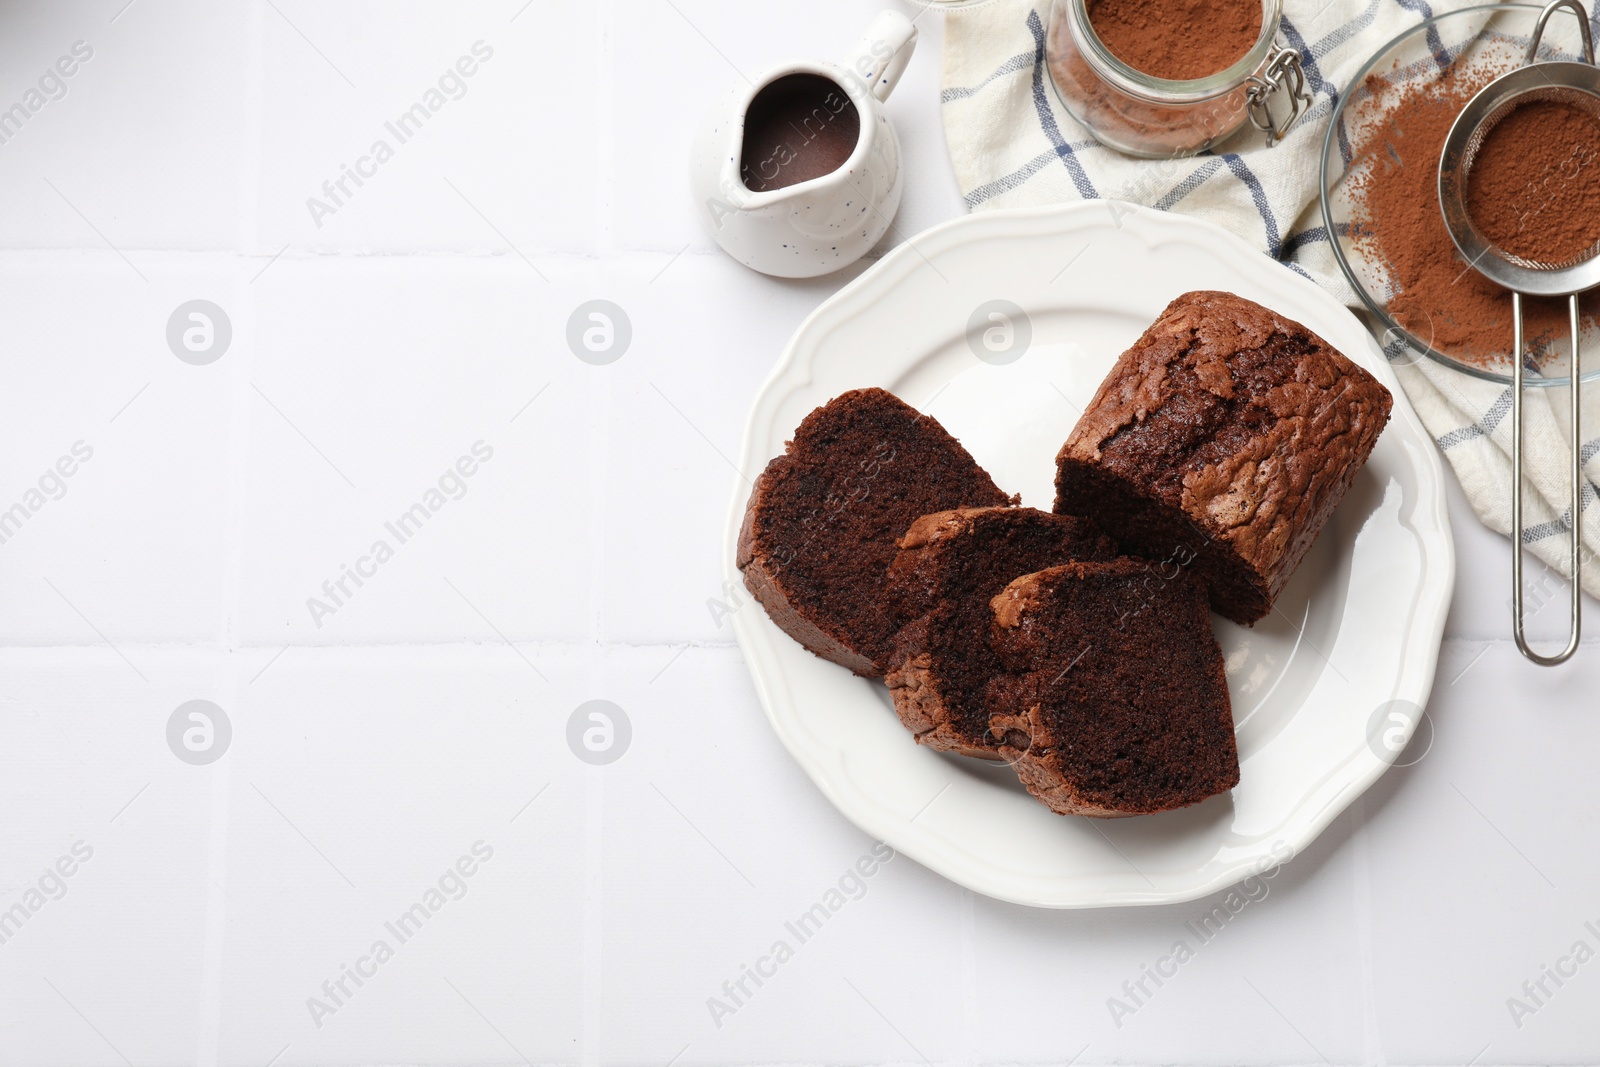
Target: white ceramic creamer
<point>798,174</point>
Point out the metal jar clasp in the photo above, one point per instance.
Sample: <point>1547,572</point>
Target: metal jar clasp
<point>1283,70</point>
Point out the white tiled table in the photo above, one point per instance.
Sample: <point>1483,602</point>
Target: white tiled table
<point>428,712</point>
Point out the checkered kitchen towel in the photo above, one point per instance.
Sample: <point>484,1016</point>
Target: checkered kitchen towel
<point>1013,145</point>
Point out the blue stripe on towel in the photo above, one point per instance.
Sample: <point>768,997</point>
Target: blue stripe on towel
<point>1020,61</point>
<point>1047,119</point>
<point>1308,59</point>
<point>1586,495</point>
<point>1259,195</point>
<point>1456,437</point>
<point>1318,84</point>
<point>1006,183</point>
<point>1297,241</point>
<point>1345,32</point>
<point>1441,55</point>
<point>1196,178</point>
<point>1483,428</point>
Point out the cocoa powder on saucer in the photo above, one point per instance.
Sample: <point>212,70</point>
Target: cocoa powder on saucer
<point>1178,40</point>
<point>1396,223</point>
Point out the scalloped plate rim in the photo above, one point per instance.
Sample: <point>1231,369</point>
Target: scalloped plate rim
<point>1342,781</point>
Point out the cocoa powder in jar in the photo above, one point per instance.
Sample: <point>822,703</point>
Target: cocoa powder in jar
<point>1130,124</point>
<point>1142,124</point>
<point>1179,40</point>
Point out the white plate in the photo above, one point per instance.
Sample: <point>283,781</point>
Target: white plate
<point>1360,622</point>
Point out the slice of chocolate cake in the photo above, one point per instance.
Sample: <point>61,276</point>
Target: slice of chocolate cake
<point>824,519</point>
<point>950,566</point>
<point>1118,703</point>
<point>1223,440</point>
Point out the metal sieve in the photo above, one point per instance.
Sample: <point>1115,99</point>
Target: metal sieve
<point>1578,85</point>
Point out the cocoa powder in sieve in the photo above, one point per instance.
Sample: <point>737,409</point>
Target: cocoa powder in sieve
<point>1178,40</point>
<point>1396,222</point>
<point>1534,188</point>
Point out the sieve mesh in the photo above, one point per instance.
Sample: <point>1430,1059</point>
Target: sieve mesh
<point>1565,95</point>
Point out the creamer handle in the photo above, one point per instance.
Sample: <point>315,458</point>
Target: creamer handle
<point>880,57</point>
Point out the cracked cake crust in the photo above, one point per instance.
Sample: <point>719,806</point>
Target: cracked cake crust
<point>1223,439</point>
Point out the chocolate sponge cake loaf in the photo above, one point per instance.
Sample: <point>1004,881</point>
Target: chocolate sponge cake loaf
<point>824,518</point>
<point>1118,703</point>
<point>951,564</point>
<point>1223,440</point>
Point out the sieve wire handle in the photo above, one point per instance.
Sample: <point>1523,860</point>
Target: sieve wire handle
<point>1544,17</point>
<point>1516,487</point>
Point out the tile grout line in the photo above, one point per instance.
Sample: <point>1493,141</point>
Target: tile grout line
<point>594,811</point>
<point>605,119</point>
<point>224,686</point>
<point>599,394</point>
<point>967,908</point>
<point>595,677</point>
<point>216,914</point>
<point>309,253</point>
<point>667,644</point>
<point>250,144</point>
<point>1361,878</point>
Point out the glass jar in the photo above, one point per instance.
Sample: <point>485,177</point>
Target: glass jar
<point>1142,115</point>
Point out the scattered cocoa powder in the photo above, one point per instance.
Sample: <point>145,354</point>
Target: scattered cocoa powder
<point>1534,188</point>
<point>1397,223</point>
<point>1178,40</point>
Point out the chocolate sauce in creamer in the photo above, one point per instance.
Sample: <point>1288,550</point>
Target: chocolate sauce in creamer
<point>799,127</point>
